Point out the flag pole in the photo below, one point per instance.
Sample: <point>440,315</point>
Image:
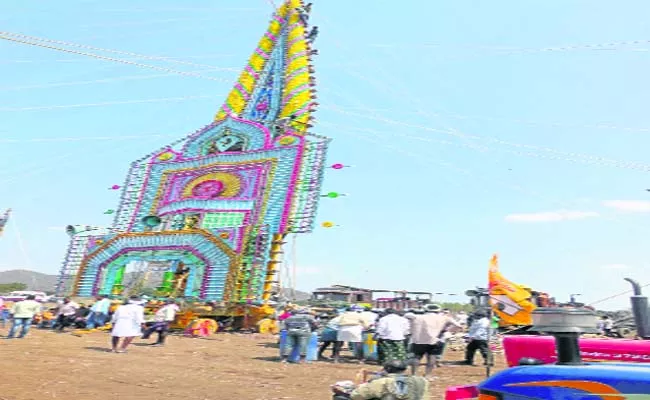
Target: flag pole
<point>490,356</point>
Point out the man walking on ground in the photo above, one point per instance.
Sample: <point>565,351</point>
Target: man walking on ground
<point>479,334</point>
<point>351,327</point>
<point>390,334</point>
<point>23,313</point>
<point>426,337</point>
<point>299,327</point>
<point>164,317</point>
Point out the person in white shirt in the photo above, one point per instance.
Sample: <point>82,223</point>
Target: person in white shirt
<point>479,335</point>
<point>447,334</point>
<point>606,325</point>
<point>128,321</point>
<point>390,334</point>
<point>350,330</point>
<point>164,317</point>
<point>370,317</point>
<point>65,314</point>
<point>426,334</point>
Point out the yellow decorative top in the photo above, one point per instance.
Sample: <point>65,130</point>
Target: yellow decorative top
<point>294,102</point>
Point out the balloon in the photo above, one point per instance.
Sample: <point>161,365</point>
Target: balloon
<point>338,166</point>
<point>115,187</point>
<point>333,195</point>
<point>109,211</point>
<point>327,224</point>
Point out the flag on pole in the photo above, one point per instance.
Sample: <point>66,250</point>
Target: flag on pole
<point>512,301</point>
<point>3,220</point>
<point>493,272</point>
<point>497,282</point>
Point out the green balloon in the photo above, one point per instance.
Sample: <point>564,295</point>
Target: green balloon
<point>109,211</point>
<point>333,195</point>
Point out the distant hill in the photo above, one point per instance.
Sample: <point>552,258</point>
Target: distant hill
<point>33,280</point>
<point>46,283</point>
<point>300,295</point>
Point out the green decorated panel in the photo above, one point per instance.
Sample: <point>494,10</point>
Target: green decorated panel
<point>222,220</point>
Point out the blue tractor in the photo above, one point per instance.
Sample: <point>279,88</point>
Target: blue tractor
<point>570,377</point>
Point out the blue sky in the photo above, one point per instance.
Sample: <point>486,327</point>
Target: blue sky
<point>473,128</point>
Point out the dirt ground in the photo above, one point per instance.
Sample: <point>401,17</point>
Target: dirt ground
<point>48,365</point>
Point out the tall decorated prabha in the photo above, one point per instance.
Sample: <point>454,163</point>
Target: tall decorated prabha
<point>211,211</point>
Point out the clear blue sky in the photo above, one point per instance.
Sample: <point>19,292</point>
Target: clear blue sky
<point>419,97</point>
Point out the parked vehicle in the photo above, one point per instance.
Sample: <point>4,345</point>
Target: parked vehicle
<point>22,295</point>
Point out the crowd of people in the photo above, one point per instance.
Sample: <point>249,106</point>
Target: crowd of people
<point>402,337</point>
<point>127,319</point>
<point>406,336</point>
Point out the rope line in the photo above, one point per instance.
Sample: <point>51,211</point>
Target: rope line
<point>531,148</point>
<point>616,295</point>
<point>126,53</point>
<point>107,103</point>
<point>83,138</point>
<point>596,46</point>
<point>192,74</point>
<point>514,120</point>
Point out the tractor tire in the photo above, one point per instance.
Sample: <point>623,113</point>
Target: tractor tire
<point>624,333</point>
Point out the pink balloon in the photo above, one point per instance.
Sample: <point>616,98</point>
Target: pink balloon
<point>338,166</point>
<point>115,187</point>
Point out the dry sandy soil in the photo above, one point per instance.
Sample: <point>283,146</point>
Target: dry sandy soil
<point>47,365</point>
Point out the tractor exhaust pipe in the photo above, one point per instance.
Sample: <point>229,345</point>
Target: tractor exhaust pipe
<point>566,325</point>
<point>640,310</point>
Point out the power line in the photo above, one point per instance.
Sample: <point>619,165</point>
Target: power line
<point>148,10</point>
<point>127,53</point>
<point>83,138</point>
<point>76,83</point>
<point>506,49</point>
<point>195,75</point>
<point>514,120</point>
<point>616,295</point>
<point>107,103</point>
<point>528,149</point>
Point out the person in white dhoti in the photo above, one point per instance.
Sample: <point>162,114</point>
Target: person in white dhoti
<point>351,327</point>
<point>128,322</point>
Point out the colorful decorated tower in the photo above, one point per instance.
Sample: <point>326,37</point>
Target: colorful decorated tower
<point>210,211</point>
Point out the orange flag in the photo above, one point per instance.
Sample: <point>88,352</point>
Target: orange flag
<point>498,281</point>
<point>493,272</point>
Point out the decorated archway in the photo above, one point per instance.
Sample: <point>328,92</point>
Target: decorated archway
<point>180,270</point>
<point>208,259</point>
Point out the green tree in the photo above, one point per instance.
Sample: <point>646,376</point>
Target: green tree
<point>456,307</point>
<point>11,287</point>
